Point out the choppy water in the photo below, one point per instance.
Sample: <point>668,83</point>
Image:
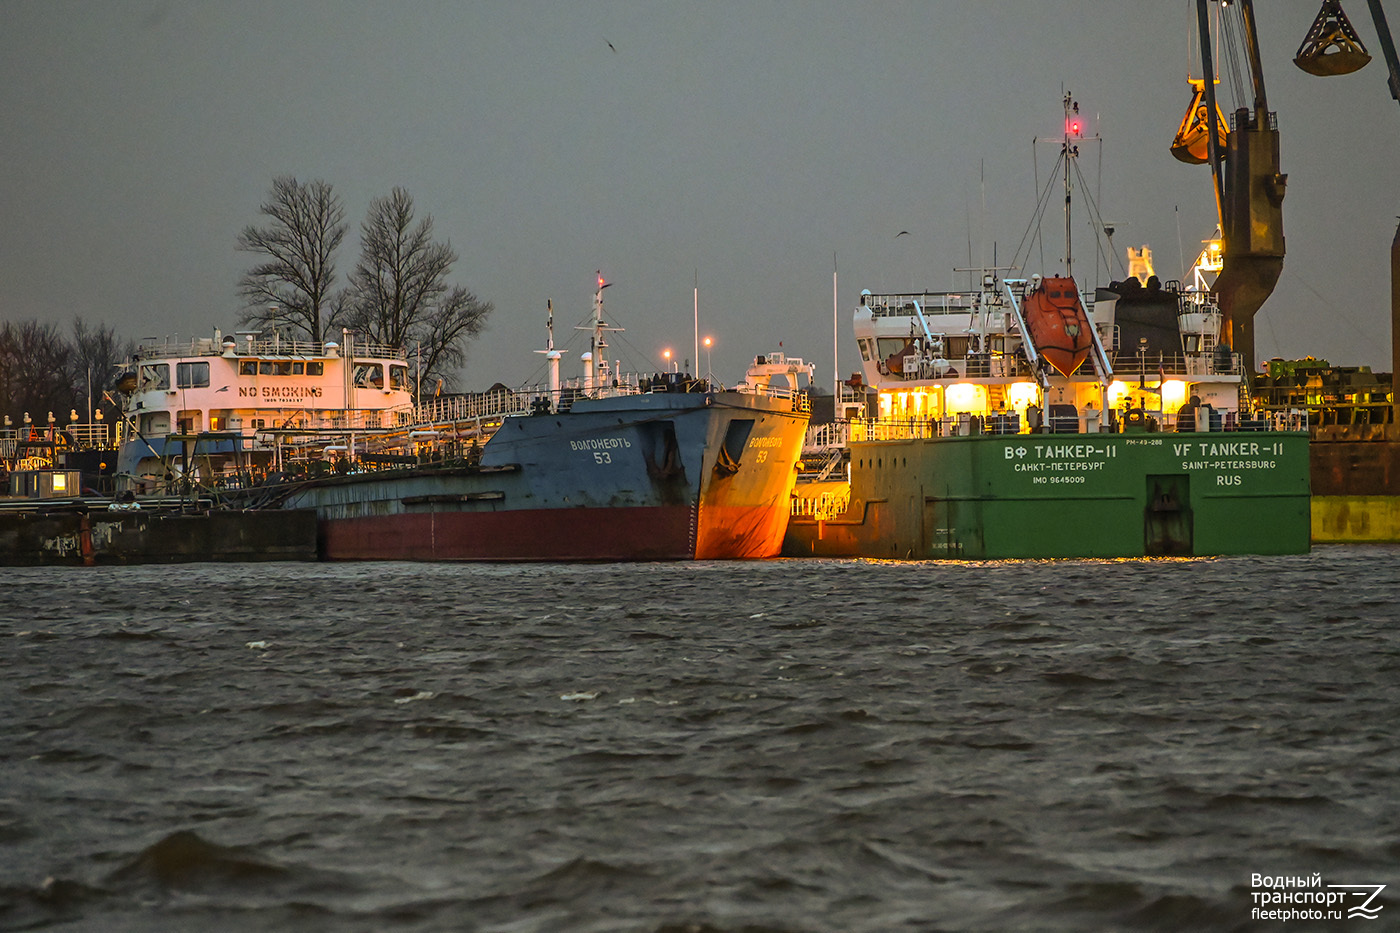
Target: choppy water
<point>714,748</point>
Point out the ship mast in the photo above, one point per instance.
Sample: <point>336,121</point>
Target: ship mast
<point>594,361</point>
<point>552,355</point>
<point>1069,152</point>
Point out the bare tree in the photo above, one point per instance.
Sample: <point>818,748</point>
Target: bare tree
<point>34,372</point>
<point>41,371</point>
<point>292,289</point>
<point>399,294</point>
<point>97,352</point>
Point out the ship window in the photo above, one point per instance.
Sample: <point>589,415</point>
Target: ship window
<point>298,368</point>
<point>398,377</point>
<point>189,421</point>
<point>889,346</point>
<point>155,375</point>
<point>191,375</point>
<point>157,422</point>
<point>864,350</point>
<point>284,368</point>
<point>266,367</point>
<point>247,367</point>
<point>315,368</point>
<point>369,374</point>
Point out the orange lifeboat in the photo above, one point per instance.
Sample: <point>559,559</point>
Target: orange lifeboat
<point>1059,327</point>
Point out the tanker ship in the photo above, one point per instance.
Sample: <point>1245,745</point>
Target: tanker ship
<point>1023,418</point>
<point>609,467</point>
<point>1002,424</point>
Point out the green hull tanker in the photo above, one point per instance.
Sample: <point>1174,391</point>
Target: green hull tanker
<point>1021,418</point>
<point>1061,495</point>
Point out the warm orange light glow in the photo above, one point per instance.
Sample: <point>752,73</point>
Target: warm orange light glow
<point>1117,392</point>
<point>1021,395</point>
<point>966,396</point>
<point>1173,394</point>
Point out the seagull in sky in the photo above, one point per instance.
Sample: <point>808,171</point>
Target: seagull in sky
<point>610,45</point>
<point>901,233</point>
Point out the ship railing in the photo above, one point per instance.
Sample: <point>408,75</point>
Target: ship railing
<point>824,506</point>
<point>1089,421</point>
<point>470,407</point>
<point>502,402</point>
<point>931,303</point>
<point>868,430</point>
<point>82,435</point>
<point>799,398</point>
<point>90,434</point>
<point>1146,366</point>
<point>263,346</point>
<point>310,424</point>
<point>823,437</point>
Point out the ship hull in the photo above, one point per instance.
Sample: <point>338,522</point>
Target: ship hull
<point>664,476</point>
<point>1355,485</point>
<point>1047,496</point>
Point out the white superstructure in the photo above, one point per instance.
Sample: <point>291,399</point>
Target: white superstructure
<point>216,410</point>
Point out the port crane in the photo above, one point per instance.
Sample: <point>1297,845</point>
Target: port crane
<point>1249,185</point>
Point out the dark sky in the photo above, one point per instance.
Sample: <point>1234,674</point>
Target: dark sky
<point>745,142</point>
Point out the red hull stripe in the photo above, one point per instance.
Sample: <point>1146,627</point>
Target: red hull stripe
<point>639,533</point>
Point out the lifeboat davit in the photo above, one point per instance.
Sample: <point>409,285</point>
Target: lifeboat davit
<point>1059,327</point>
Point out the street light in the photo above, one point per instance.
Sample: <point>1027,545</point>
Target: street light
<point>667,354</point>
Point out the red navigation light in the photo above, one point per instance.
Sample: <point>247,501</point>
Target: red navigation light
<point>1074,127</point>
